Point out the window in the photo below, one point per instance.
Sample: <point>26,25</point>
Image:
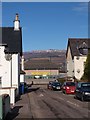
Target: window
<point>85,51</point>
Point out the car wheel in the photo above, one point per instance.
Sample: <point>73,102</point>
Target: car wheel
<point>82,98</point>
<point>65,92</point>
<point>75,97</point>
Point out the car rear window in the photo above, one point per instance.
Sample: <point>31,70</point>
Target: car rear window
<point>86,85</point>
<point>70,84</point>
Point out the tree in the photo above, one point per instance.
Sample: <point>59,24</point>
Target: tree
<point>87,68</point>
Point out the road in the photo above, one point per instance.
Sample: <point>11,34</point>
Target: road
<point>39,102</point>
<point>46,103</point>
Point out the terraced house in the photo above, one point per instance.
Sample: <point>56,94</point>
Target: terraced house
<point>76,55</point>
<point>10,57</point>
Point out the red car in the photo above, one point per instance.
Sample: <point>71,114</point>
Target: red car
<point>69,87</point>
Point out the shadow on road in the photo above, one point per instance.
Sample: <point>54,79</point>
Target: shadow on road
<point>14,113</point>
<point>31,89</point>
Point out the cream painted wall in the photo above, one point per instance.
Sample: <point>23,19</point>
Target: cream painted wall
<point>79,66</point>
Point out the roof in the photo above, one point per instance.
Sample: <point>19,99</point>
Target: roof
<point>11,38</point>
<point>76,44</point>
<point>40,65</point>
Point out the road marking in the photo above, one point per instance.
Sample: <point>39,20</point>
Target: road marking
<point>41,95</point>
<point>73,103</point>
<point>61,98</point>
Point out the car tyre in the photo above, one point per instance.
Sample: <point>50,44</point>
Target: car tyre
<point>82,98</point>
<point>75,97</point>
<point>65,92</point>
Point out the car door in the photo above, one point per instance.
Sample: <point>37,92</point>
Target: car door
<point>78,90</point>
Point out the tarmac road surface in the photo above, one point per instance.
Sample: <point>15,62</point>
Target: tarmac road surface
<point>40,102</point>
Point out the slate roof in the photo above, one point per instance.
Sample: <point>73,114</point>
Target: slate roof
<point>11,38</point>
<point>77,43</point>
<point>40,65</point>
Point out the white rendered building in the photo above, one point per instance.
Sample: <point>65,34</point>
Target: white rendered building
<point>10,55</point>
<point>76,55</point>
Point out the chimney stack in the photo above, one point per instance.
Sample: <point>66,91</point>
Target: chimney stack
<point>16,22</point>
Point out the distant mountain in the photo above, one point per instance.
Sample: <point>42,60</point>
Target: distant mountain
<point>55,56</point>
<point>44,53</point>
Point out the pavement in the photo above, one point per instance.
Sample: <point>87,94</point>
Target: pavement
<point>21,110</point>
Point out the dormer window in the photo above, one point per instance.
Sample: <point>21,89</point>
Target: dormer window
<point>83,49</point>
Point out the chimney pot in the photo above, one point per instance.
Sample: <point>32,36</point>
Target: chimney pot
<point>16,22</point>
<point>17,16</point>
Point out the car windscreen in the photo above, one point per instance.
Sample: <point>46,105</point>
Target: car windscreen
<point>56,84</point>
<point>70,84</point>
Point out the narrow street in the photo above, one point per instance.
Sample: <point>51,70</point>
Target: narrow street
<point>40,102</point>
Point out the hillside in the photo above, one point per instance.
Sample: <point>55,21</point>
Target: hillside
<point>57,57</point>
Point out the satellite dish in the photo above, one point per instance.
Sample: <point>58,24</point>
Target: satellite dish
<point>78,70</point>
<point>8,57</point>
<point>77,57</point>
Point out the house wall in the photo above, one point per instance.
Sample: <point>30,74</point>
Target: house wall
<point>5,69</point>
<point>15,70</point>
<point>10,92</point>
<point>22,78</point>
<point>79,65</point>
<point>9,70</point>
<point>70,64</point>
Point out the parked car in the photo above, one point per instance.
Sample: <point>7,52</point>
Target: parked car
<point>68,87</point>
<point>56,86</point>
<point>83,91</point>
<point>49,86</point>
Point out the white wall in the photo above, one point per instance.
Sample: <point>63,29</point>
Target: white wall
<point>9,70</point>
<point>10,92</point>
<point>79,65</point>
<point>5,69</point>
<point>15,70</point>
<point>70,64</point>
<point>22,78</point>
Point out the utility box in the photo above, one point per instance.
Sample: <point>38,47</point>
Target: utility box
<point>4,105</point>
<point>21,88</point>
<point>1,108</point>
